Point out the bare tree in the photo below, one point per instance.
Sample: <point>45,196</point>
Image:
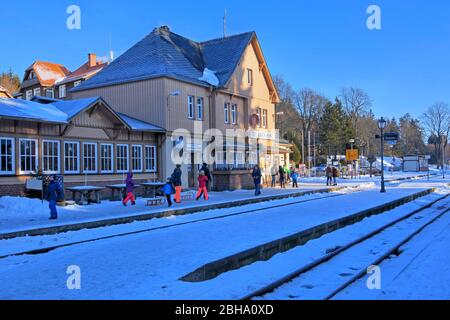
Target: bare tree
<point>437,122</point>
<point>357,104</point>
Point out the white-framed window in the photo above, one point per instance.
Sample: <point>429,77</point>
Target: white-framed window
<point>150,158</point>
<point>264,118</point>
<point>62,91</point>
<point>190,107</point>
<point>7,156</point>
<point>50,156</point>
<point>89,157</point>
<point>136,158</point>
<point>28,155</point>
<point>200,108</point>
<point>32,75</point>
<point>258,112</point>
<point>122,157</point>
<point>50,93</point>
<point>250,77</point>
<point>71,157</point>
<point>76,83</point>
<point>37,91</point>
<point>226,112</point>
<point>28,94</point>
<point>234,114</point>
<point>106,158</point>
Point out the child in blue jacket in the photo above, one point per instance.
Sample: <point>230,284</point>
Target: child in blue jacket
<point>168,190</point>
<point>294,178</point>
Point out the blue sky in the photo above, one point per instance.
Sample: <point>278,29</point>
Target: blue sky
<point>321,44</point>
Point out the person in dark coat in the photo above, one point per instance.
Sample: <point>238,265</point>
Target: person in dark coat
<point>168,190</point>
<point>129,189</point>
<point>282,177</point>
<point>329,174</point>
<point>335,175</point>
<point>176,180</point>
<point>256,175</point>
<point>205,169</point>
<point>54,194</point>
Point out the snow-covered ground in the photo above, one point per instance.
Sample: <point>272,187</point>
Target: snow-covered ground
<point>22,213</point>
<point>422,271</point>
<point>148,265</point>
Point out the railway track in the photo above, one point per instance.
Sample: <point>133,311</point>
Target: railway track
<point>46,249</point>
<point>308,281</point>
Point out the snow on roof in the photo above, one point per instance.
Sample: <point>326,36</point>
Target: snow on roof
<point>210,77</point>
<point>139,125</point>
<point>48,72</point>
<point>60,111</point>
<point>29,110</point>
<point>73,107</point>
<point>164,53</point>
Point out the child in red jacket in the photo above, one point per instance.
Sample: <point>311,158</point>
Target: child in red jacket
<point>202,181</point>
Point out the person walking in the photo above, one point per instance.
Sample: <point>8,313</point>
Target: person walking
<point>54,194</point>
<point>176,180</point>
<point>282,177</point>
<point>329,175</point>
<point>335,175</point>
<point>287,173</point>
<point>256,175</point>
<point>202,183</point>
<point>205,169</point>
<point>129,190</point>
<point>168,190</point>
<point>294,178</point>
<point>273,173</point>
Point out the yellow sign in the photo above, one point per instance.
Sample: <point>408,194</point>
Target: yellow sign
<point>351,155</point>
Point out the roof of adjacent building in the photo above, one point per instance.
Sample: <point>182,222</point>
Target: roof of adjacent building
<point>139,125</point>
<point>83,72</point>
<point>63,111</point>
<point>5,91</point>
<point>48,72</point>
<point>164,53</point>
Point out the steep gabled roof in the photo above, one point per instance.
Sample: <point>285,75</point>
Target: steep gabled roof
<point>47,72</point>
<point>164,53</point>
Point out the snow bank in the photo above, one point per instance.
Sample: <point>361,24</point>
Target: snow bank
<point>22,206</point>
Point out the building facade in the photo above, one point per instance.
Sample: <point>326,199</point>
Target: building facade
<point>84,140</point>
<point>177,83</point>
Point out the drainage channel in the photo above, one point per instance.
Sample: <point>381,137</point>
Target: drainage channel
<point>265,251</point>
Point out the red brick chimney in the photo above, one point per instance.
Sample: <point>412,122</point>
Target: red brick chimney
<point>92,60</point>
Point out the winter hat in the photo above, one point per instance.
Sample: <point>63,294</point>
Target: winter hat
<point>202,173</point>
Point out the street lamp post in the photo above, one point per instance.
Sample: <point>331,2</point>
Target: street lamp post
<point>381,126</point>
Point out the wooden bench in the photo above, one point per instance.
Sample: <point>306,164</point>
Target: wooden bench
<point>156,201</point>
<point>188,195</point>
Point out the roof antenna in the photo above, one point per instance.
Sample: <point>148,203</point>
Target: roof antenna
<point>225,24</point>
<point>111,52</point>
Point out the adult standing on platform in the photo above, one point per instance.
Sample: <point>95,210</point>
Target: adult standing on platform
<point>176,180</point>
<point>256,175</point>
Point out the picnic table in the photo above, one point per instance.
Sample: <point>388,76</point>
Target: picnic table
<point>120,188</point>
<point>85,193</point>
<point>151,187</point>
